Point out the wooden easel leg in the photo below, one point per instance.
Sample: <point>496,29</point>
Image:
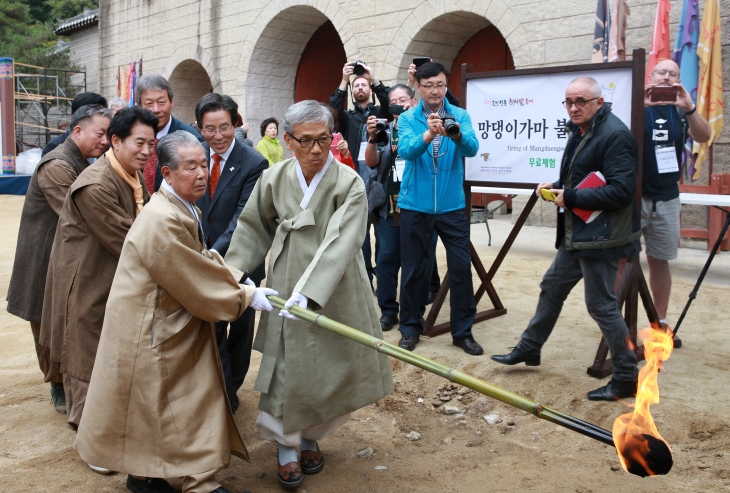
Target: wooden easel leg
<point>633,284</point>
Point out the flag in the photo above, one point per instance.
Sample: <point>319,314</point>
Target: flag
<point>609,39</point>
<point>119,83</point>
<point>133,83</point>
<point>124,93</point>
<point>709,86</point>
<point>130,96</point>
<point>600,46</point>
<point>617,31</point>
<point>660,37</point>
<point>685,55</point>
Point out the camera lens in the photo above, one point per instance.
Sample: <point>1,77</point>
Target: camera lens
<point>380,125</point>
<point>450,126</point>
<point>358,69</point>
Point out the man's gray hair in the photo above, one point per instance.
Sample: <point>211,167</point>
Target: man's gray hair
<point>84,114</point>
<point>593,84</point>
<point>308,111</point>
<point>167,148</point>
<point>117,101</point>
<point>152,81</point>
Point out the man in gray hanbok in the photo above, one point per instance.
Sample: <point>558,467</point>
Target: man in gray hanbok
<point>310,212</point>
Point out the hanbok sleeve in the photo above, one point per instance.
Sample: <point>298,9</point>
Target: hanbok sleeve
<point>254,231</point>
<point>202,284</point>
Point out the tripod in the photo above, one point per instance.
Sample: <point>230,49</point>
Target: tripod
<point>714,251</point>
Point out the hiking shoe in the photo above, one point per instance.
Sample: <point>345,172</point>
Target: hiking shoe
<point>58,397</point>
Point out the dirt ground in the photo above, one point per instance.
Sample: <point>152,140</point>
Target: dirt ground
<point>455,453</point>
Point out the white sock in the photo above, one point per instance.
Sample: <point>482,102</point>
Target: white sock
<point>287,455</point>
<point>663,321</point>
<point>309,445</point>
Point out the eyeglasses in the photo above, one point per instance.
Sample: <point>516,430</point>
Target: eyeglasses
<point>662,71</point>
<point>211,131</point>
<point>431,87</point>
<point>324,142</point>
<point>578,102</point>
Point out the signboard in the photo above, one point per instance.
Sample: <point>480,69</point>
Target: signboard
<point>520,122</point>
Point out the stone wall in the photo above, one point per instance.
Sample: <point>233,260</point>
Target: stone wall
<point>251,49</point>
<point>84,52</point>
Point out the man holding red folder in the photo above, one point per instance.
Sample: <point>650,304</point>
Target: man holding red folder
<point>600,149</point>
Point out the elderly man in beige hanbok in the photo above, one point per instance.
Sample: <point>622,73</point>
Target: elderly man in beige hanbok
<point>157,406</point>
<point>310,212</point>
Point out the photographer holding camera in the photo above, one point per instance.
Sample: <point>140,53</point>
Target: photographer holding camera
<point>381,154</point>
<point>353,123</point>
<point>433,138</point>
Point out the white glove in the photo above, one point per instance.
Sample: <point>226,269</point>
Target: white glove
<point>249,282</point>
<point>259,301</point>
<point>296,299</point>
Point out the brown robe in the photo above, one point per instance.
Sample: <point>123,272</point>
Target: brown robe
<point>93,223</point>
<point>43,202</point>
<point>44,199</point>
<point>157,405</point>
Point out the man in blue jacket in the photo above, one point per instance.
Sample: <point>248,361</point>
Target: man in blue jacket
<point>433,138</point>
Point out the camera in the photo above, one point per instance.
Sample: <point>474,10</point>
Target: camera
<point>450,126</point>
<point>381,123</point>
<point>396,109</point>
<point>358,67</point>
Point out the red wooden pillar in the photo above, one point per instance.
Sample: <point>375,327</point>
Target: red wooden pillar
<point>7,115</point>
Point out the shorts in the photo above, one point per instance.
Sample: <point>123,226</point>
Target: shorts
<point>660,226</point>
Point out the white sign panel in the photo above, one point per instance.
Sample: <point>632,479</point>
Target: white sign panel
<point>520,122</point>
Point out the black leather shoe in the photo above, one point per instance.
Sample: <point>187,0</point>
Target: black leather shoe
<point>517,356</point>
<point>221,489</point>
<point>387,322</point>
<point>469,345</point>
<point>677,342</point>
<point>408,342</point>
<point>431,297</point>
<point>234,405</point>
<point>613,390</point>
<point>149,485</point>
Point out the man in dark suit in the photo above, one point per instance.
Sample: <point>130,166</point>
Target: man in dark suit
<point>154,93</point>
<point>234,170</point>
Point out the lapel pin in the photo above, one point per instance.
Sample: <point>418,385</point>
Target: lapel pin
<point>231,168</point>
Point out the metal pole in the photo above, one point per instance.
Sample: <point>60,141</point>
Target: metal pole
<point>715,248</point>
<point>456,376</point>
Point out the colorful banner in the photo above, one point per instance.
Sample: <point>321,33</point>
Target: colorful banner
<point>709,91</point>
<point>660,37</point>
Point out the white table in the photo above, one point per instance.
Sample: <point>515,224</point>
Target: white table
<point>704,199</point>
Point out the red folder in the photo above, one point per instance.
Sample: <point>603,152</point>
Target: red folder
<point>594,180</point>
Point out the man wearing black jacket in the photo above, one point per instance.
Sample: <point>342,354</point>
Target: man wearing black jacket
<point>598,142</point>
<point>353,124</point>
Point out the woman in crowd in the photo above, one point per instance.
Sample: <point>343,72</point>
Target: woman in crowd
<point>269,146</point>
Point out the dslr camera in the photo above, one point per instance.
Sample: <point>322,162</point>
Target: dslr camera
<point>450,126</point>
<point>358,67</point>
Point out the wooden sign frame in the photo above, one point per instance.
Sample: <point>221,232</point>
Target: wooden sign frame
<point>633,284</point>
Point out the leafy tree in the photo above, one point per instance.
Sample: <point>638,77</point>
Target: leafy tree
<point>64,9</point>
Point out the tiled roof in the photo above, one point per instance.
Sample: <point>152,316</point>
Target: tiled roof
<point>82,21</point>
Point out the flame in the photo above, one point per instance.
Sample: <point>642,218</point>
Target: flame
<point>635,433</point>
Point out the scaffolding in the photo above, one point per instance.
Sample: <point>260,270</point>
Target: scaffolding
<point>43,99</point>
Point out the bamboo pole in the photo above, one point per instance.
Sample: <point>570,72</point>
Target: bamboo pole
<point>453,375</point>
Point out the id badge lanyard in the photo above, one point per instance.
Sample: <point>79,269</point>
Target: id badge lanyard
<point>666,156</point>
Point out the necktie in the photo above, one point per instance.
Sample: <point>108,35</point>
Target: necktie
<point>215,173</point>
<point>150,170</point>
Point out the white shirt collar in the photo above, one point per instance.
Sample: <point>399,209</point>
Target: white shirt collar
<point>224,156</point>
<point>165,129</point>
<point>309,189</point>
<point>187,204</point>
